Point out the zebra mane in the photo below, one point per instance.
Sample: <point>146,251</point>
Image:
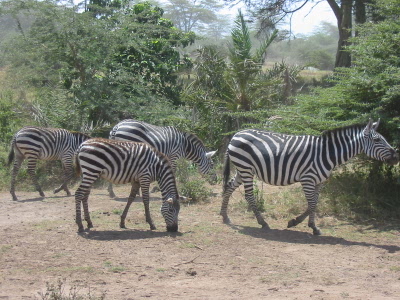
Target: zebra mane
<point>193,137</point>
<point>340,129</point>
<point>79,133</point>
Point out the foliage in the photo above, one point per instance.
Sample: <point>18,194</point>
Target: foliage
<point>315,50</point>
<point>229,92</point>
<point>190,184</point>
<point>359,191</point>
<point>99,67</point>
<point>192,15</point>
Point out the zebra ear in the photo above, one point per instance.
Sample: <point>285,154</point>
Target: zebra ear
<point>185,199</point>
<point>376,124</point>
<point>368,127</point>
<point>211,154</point>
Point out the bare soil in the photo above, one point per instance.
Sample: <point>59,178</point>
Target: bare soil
<point>206,259</point>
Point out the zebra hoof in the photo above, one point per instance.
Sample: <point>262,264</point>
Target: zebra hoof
<point>265,226</point>
<point>226,220</point>
<point>41,194</point>
<point>317,232</point>
<point>292,223</point>
<point>122,225</point>
<point>81,229</point>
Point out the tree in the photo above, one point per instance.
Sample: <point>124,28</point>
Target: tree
<point>231,91</point>
<point>97,68</point>
<point>273,11</point>
<point>193,15</point>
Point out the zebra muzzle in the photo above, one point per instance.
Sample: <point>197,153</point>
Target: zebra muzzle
<point>393,160</point>
<point>172,228</point>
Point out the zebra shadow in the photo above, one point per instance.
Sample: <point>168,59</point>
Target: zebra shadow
<point>129,234</point>
<point>36,199</point>
<point>298,237</point>
<point>137,199</point>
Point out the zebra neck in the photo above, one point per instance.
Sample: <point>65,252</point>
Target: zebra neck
<point>342,144</point>
<point>167,184</point>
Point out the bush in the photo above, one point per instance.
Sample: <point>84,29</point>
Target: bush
<point>364,190</point>
<point>190,183</point>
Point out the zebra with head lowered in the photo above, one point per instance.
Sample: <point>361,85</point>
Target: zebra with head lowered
<point>124,162</point>
<point>280,159</point>
<point>170,141</point>
<point>34,143</point>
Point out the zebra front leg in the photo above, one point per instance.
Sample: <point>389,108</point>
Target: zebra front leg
<point>31,171</point>
<point>17,165</point>
<point>311,192</point>
<point>249,195</point>
<point>132,195</point>
<point>228,190</point>
<point>145,185</point>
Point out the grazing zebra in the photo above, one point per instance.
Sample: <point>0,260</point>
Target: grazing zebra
<point>280,159</point>
<point>124,162</point>
<point>168,140</point>
<point>33,143</point>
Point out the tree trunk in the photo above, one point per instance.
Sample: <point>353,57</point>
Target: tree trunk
<point>343,15</point>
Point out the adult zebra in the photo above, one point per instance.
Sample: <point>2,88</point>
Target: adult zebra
<point>280,159</point>
<point>33,143</point>
<point>168,140</point>
<point>124,162</point>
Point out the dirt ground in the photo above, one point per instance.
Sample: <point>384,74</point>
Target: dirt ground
<point>206,259</point>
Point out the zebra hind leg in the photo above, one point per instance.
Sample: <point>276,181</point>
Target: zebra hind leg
<point>81,196</point>
<point>229,189</point>
<point>31,171</point>
<point>249,195</point>
<point>111,191</point>
<point>68,174</point>
<point>17,165</point>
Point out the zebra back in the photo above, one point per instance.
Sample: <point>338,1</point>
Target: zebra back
<point>169,140</point>
<point>47,143</point>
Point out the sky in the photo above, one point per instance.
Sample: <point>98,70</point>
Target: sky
<point>306,20</point>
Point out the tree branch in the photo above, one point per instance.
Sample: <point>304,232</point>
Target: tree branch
<point>296,9</point>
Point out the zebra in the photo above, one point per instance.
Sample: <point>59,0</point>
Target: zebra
<point>123,162</point>
<point>168,140</point>
<point>280,159</point>
<point>33,143</point>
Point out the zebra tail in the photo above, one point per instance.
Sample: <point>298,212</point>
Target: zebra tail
<point>227,171</point>
<point>11,155</point>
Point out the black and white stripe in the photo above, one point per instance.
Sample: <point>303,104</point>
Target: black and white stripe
<point>33,143</point>
<point>280,159</point>
<point>168,140</point>
<point>123,162</point>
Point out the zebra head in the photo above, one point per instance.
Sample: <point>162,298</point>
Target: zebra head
<point>196,151</point>
<point>170,210</point>
<point>376,146</point>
